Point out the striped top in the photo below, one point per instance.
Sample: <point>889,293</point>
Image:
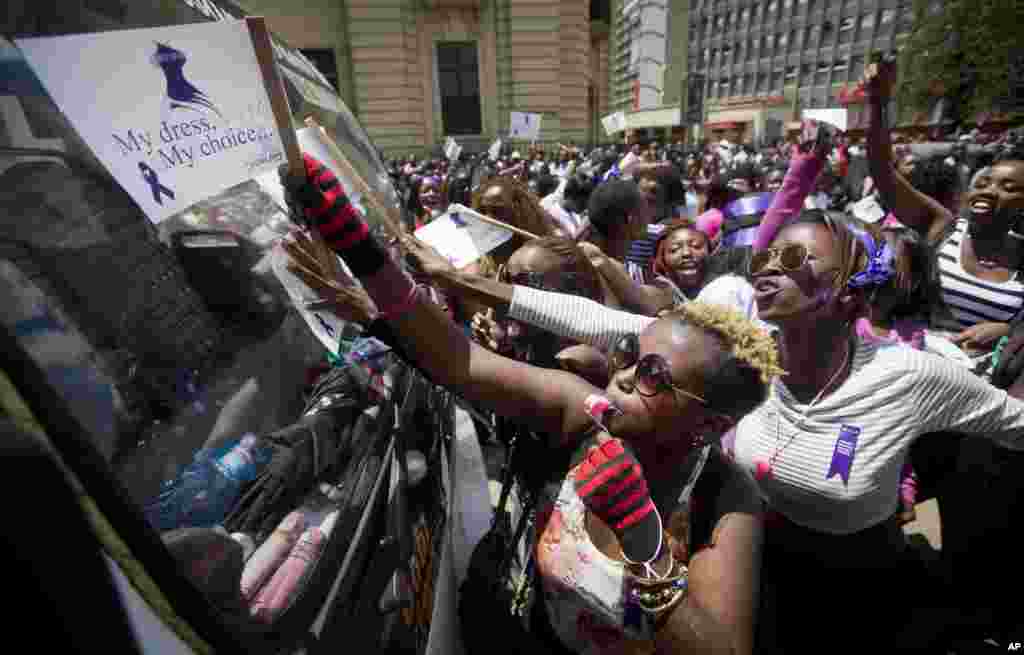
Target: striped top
<point>864,428</point>
<point>970,299</point>
<point>639,257</point>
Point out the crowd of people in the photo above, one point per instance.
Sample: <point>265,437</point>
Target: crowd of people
<point>732,373</point>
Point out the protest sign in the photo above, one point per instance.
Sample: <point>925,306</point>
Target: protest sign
<point>452,149</point>
<point>177,114</point>
<point>614,123</point>
<point>462,236</point>
<point>524,126</point>
<point>494,150</point>
<point>834,117</point>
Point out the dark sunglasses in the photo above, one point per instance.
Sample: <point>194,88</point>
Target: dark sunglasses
<point>652,375</point>
<point>791,257</point>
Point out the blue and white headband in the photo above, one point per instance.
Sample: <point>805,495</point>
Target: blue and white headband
<point>881,263</point>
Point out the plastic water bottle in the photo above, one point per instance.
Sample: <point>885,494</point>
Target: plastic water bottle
<point>209,487</point>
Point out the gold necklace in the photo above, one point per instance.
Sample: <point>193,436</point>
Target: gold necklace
<point>765,469</point>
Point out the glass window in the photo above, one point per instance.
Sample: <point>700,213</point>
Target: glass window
<point>888,15</point>
<point>867,20</point>
<point>745,16</point>
<point>846,24</point>
<point>772,6</point>
<point>459,79</point>
<point>856,67</point>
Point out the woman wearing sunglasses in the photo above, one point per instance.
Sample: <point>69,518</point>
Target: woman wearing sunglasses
<point>829,445</point>
<point>694,374</point>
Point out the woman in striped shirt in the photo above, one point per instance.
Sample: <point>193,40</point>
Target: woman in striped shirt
<point>982,292</point>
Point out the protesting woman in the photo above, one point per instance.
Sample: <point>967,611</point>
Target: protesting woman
<point>688,376</point>
<point>979,288</point>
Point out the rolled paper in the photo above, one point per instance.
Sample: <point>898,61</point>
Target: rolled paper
<point>271,553</point>
<point>290,578</point>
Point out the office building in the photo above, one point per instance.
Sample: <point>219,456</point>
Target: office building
<point>762,62</point>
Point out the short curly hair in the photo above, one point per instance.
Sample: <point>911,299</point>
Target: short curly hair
<point>738,381</point>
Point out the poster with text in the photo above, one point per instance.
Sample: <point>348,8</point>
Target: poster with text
<point>524,125</point>
<point>176,114</point>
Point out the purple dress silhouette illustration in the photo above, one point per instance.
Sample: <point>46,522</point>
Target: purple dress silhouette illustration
<point>181,93</point>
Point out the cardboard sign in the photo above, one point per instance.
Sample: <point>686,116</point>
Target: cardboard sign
<point>177,114</point>
<point>460,237</point>
<point>524,126</point>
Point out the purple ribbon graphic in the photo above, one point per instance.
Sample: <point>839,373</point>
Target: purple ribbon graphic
<point>842,456</point>
<point>151,178</point>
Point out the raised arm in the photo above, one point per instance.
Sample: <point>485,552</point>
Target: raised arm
<point>549,401</point>
<point>644,299</point>
<point>573,317</point>
<point>804,168</point>
<point>912,208</point>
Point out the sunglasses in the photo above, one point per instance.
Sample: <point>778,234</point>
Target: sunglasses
<point>791,257</point>
<point>652,375</point>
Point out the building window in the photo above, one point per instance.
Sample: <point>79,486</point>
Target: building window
<point>459,81</point>
<point>867,20</point>
<point>888,15</point>
<point>323,59</point>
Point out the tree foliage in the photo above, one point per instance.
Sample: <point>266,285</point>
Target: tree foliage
<point>965,49</point>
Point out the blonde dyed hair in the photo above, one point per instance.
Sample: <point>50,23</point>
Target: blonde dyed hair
<point>748,343</point>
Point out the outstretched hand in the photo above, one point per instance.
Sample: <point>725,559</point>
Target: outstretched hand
<point>425,258</point>
<point>879,79</point>
<point>318,267</point>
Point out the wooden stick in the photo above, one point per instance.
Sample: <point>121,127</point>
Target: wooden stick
<point>477,216</point>
<point>275,92</point>
<point>390,215</point>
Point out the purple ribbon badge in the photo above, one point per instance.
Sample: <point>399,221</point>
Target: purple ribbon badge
<point>842,456</point>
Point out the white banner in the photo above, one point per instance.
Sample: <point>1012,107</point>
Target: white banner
<point>460,238</point>
<point>177,114</point>
<point>524,126</point>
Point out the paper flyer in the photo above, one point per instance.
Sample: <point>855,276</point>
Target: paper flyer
<point>460,237</point>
